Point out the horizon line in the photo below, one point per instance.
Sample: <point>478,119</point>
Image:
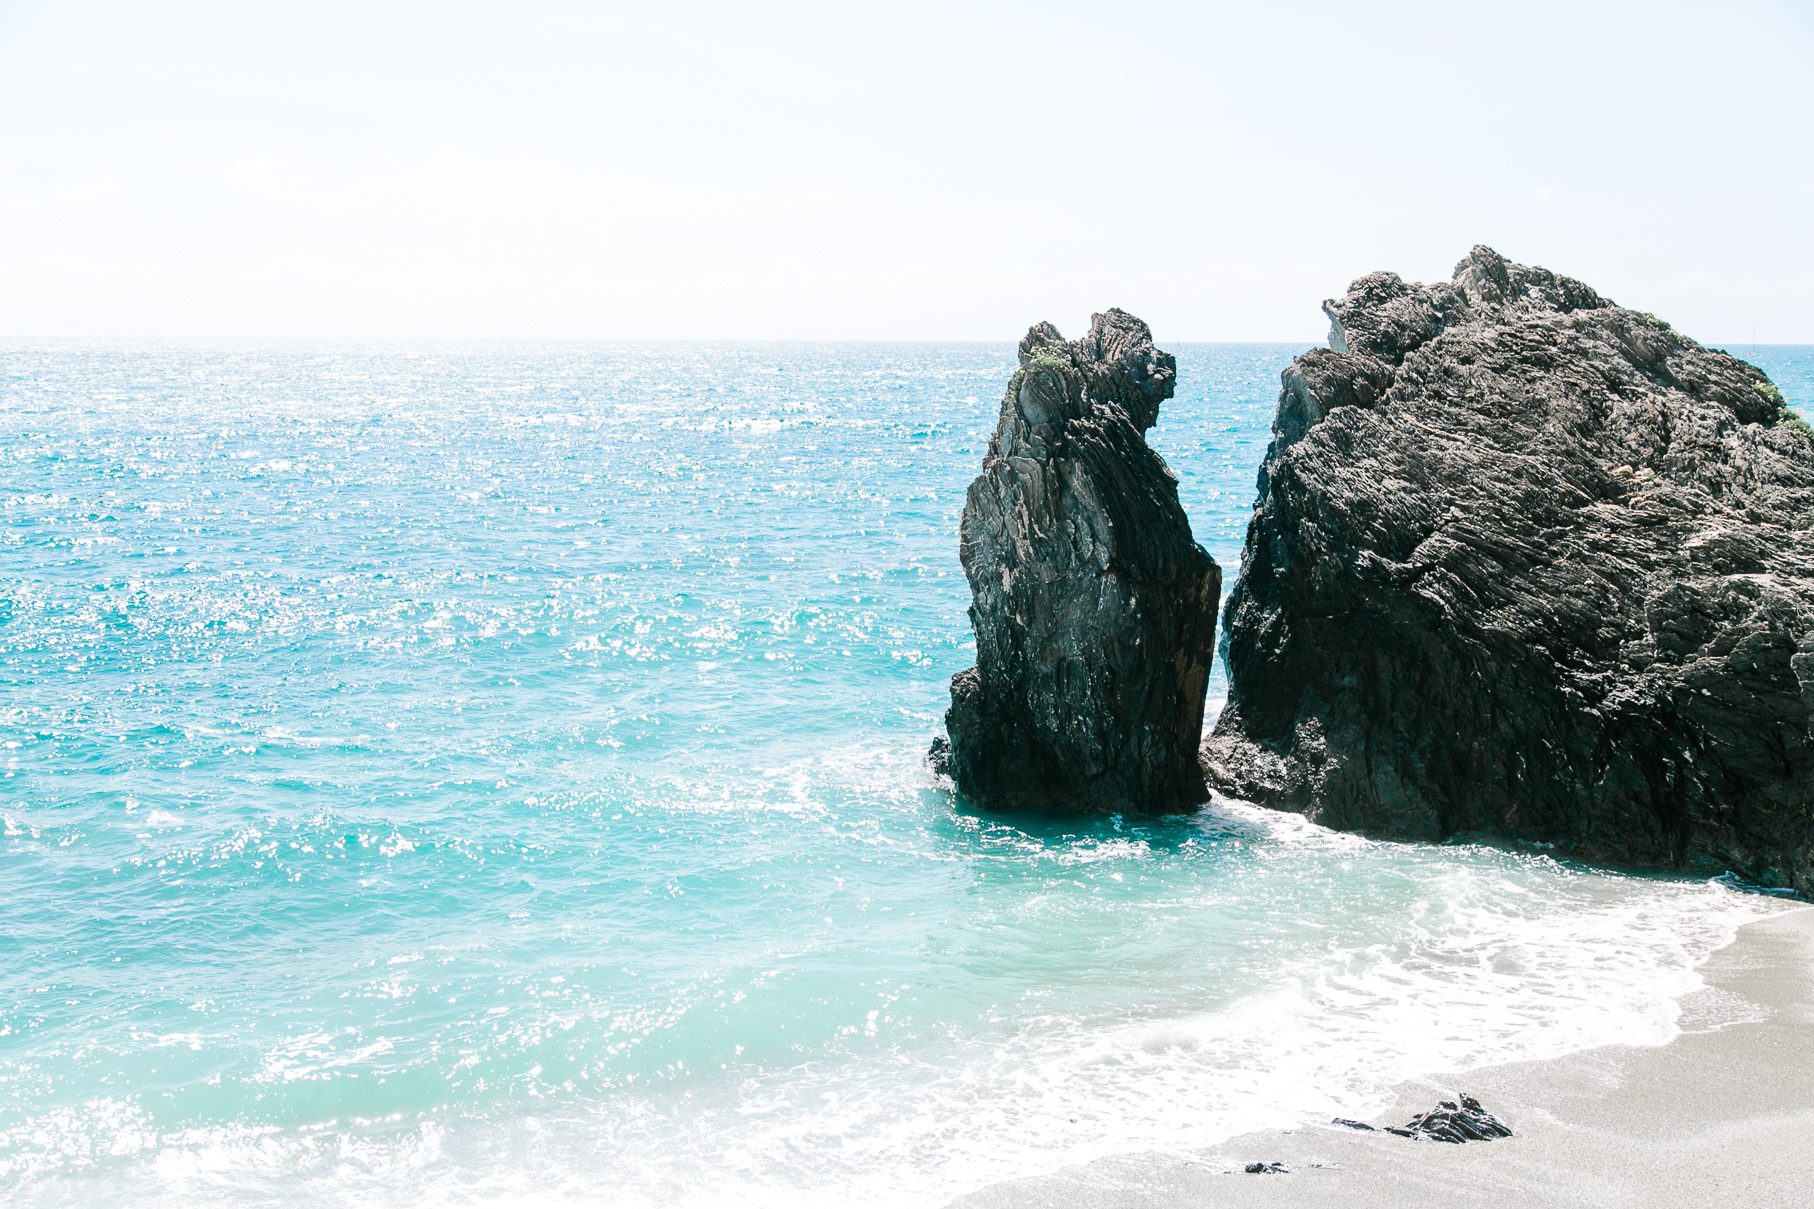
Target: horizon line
<point>12,338</point>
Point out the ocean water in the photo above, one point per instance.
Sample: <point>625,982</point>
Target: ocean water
<point>493,774</point>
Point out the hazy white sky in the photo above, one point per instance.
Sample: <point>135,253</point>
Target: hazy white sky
<point>893,171</point>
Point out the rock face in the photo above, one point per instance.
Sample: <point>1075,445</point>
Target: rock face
<point>1530,564</point>
<point>1094,610</point>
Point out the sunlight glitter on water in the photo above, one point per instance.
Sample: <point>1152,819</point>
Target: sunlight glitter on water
<point>496,773</point>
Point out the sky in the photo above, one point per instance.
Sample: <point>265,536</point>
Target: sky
<point>900,171</point>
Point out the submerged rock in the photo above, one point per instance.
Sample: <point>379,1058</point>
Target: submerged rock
<point>1094,609</point>
<point>1529,564</point>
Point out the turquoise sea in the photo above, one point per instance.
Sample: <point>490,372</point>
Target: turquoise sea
<point>494,774</point>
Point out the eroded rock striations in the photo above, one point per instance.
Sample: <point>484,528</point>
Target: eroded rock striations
<point>1449,1121</point>
<point>1530,564</point>
<point>1094,610</point>
<point>1452,1122</point>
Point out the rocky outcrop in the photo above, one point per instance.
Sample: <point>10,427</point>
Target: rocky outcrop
<point>1094,609</point>
<point>1529,564</point>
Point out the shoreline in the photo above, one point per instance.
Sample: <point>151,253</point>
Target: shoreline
<point>1725,1110</point>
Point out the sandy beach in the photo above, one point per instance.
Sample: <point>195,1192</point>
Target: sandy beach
<point>1722,1115</point>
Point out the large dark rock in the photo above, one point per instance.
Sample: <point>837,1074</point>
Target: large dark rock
<point>1094,610</point>
<point>1530,564</point>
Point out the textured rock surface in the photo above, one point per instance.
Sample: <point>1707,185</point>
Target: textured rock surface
<point>1530,564</point>
<point>1452,1122</point>
<point>1094,609</point>
<point>1449,1121</point>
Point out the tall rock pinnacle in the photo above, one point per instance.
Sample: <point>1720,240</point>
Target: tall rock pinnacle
<point>1094,609</point>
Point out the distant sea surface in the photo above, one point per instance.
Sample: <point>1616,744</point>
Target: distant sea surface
<point>482,774</point>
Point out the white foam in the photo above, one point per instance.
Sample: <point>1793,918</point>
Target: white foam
<point>1326,1034</point>
<point>1304,977</point>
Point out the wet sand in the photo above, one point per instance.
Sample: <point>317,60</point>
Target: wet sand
<point>1723,1115</point>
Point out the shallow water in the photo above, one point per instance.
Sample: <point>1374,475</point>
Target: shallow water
<point>494,773</point>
